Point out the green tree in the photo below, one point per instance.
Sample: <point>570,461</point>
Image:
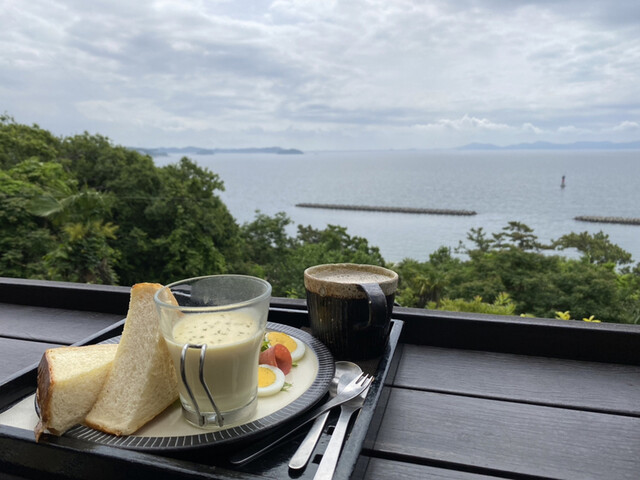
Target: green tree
<point>50,229</point>
<point>479,238</point>
<point>595,248</point>
<point>99,164</point>
<point>585,289</point>
<point>265,240</point>
<point>422,283</point>
<point>82,250</point>
<point>510,262</point>
<point>111,208</point>
<point>188,230</point>
<point>171,223</point>
<point>25,238</point>
<point>19,142</point>
<point>502,305</point>
<point>82,209</point>
<point>282,259</point>
<point>84,254</point>
<point>518,235</point>
<point>319,246</point>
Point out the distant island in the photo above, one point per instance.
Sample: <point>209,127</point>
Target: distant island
<point>164,151</point>
<point>603,145</point>
<point>555,146</point>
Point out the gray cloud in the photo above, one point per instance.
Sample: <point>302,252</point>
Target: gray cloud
<point>329,75</point>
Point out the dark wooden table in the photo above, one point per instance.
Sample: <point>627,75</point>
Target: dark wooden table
<point>466,396</point>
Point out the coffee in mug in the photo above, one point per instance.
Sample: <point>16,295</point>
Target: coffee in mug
<point>350,307</point>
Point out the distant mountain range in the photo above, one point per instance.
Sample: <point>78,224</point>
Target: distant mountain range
<point>555,146</point>
<point>164,151</point>
<point>605,145</point>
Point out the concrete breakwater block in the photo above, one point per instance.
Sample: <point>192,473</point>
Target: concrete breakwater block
<point>621,220</point>
<point>425,211</point>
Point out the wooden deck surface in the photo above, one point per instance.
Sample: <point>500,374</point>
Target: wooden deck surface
<point>508,415</point>
<point>445,413</point>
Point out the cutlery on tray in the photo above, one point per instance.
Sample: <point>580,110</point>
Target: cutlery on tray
<point>344,373</point>
<point>330,457</point>
<point>352,390</point>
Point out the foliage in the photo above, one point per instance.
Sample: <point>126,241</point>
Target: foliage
<point>171,223</point>
<point>185,229</point>
<point>567,316</point>
<point>502,305</point>
<point>84,254</point>
<point>422,283</point>
<point>595,248</point>
<point>19,142</point>
<point>282,259</point>
<point>538,284</point>
<point>24,238</point>
<point>82,209</point>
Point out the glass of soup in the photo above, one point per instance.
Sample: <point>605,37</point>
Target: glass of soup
<point>213,327</point>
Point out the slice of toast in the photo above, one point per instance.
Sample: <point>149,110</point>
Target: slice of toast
<point>69,381</point>
<point>142,381</point>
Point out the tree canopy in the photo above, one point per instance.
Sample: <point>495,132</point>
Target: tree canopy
<point>82,209</point>
<point>537,281</point>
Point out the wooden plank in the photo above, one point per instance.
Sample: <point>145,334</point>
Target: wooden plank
<point>52,325</point>
<point>506,438</point>
<point>598,342</point>
<point>76,296</point>
<point>382,469</point>
<point>70,458</point>
<point>602,342</point>
<point>18,355</point>
<point>596,386</point>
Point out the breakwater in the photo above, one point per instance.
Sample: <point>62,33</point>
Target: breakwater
<point>620,220</point>
<point>424,211</point>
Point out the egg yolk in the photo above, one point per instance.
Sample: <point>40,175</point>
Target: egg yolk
<point>266,377</point>
<point>283,339</point>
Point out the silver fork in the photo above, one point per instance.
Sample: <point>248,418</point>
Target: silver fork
<point>329,460</point>
<point>351,391</point>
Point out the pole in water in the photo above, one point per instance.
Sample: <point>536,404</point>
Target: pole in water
<point>562,185</point>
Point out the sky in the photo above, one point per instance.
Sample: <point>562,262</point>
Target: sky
<point>324,74</point>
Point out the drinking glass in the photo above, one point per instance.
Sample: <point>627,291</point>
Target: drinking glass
<point>213,327</point>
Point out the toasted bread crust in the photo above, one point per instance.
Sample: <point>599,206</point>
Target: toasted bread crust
<point>48,382</point>
<point>43,394</point>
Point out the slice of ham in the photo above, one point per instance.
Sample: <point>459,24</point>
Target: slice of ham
<point>268,357</point>
<point>277,356</point>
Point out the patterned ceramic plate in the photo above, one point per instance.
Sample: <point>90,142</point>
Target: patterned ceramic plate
<point>169,431</point>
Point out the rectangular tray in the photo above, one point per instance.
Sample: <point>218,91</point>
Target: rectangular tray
<point>72,458</point>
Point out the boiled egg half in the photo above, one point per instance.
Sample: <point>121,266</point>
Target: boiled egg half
<point>270,380</point>
<point>295,346</point>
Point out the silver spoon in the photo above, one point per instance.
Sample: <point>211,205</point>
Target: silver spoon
<point>329,461</point>
<point>253,451</point>
<point>345,372</point>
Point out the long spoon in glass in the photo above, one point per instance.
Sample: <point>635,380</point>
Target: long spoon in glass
<point>345,372</point>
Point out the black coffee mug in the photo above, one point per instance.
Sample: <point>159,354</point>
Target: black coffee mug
<point>350,307</point>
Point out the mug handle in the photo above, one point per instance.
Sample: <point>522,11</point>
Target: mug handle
<point>377,305</point>
<point>183,374</point>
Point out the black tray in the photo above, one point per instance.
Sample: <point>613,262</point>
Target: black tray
<point>73,458</point>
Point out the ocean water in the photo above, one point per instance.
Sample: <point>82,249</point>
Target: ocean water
<point>501,186</point>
